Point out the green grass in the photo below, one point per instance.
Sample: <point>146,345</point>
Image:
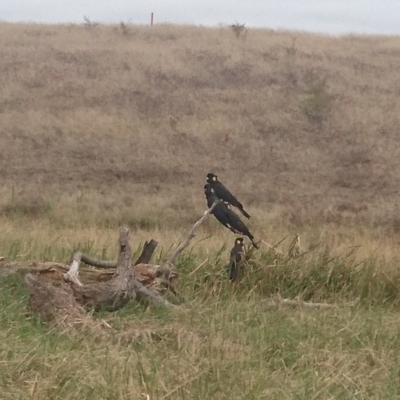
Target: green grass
<point>225,344</point>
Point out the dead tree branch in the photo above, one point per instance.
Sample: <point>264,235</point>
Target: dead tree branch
<point>144,258</point>
<point>278,302</point>
<point>147,297</point>
<point>96,263</point>
<point>72,274</point>
<point>192,233</point>
<point>51,270</point>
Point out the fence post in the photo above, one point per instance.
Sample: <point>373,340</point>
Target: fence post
<point>151,19</point>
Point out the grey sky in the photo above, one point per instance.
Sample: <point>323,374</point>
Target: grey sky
<point>329,16</point>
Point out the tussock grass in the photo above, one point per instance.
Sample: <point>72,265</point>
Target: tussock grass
<point>221,345</point>
<point>224,343</point>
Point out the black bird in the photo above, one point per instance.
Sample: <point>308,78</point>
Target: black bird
<point>224,194</point>
<point>226,216</point>
<point>235,259</point>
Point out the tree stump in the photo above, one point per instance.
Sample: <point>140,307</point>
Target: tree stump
<point>56,290</point>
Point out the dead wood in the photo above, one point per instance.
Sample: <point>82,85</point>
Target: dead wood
<point>72,274</point>
<point>147,252</point>
<point>125,285</point>
<point>111,295</point>
<point>52,300</point>
<point>97,263</point>
<point>117,292</point>
<point>51,270</point>
<point>56,271</point>
<point>192,233</point>
<point>166,273</point>
<point>141,281</point>
<point>144,258</point>
<point>67,300</point>
<point>277,302</point>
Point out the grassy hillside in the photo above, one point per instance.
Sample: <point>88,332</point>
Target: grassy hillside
<point>108,125</point>
<point>121,123</point>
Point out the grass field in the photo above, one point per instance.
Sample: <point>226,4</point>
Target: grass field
<point>108,125</point>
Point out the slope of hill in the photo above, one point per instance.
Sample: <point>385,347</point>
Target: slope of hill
<point>301,127</point>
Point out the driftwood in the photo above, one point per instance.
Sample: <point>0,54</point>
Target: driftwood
<point>58,291</point>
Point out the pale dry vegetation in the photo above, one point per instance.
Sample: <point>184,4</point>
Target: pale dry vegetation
<point>102,126</point>
<point>114,125</point>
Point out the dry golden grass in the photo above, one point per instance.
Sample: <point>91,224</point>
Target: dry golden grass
<point>116,126</point>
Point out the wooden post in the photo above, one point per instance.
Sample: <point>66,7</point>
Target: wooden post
<point>151,19</point>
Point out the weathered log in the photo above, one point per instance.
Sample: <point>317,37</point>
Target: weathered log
<point>56,271</point>
<point>144,281</point>
<point>144,258</point>
<point>51,300</point>
<point>123,287</point>
<point>140,281</point>
<point>110,295</point>
<point>70,299</point>
<point>51,270</point>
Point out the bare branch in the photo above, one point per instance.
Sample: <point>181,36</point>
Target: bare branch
<point>97,263</point>
<point>52,270</point>
<point>72,274</point>
<point>147,297</point>
<point>189,237</point>
<point>144,258</point>
<point>278,302</point>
